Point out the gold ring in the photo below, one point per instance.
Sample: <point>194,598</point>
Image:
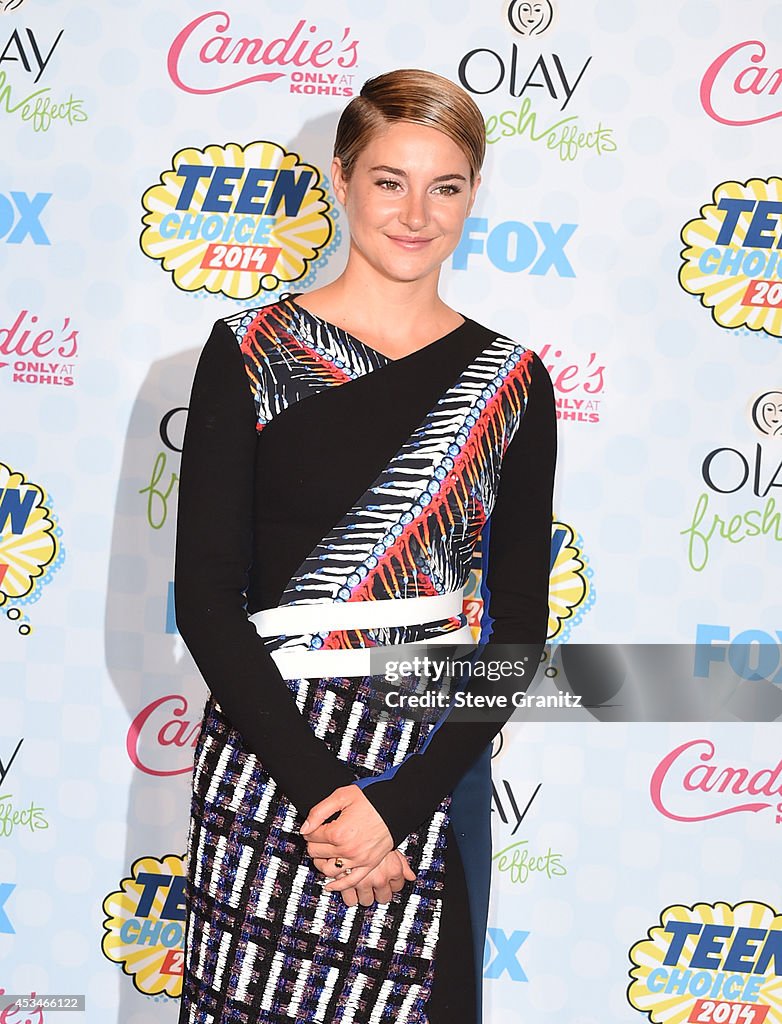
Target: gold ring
<point>338,862</point>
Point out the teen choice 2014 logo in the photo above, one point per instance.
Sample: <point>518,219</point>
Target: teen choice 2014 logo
<point>715,963</point>
<point>571,593</point>
<point>30,548</point>
<point>237,220</point>
<point>145,925</point>
<point>732,258</point>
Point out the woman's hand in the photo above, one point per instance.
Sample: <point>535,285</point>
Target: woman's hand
<point>379,885</point>
<point>359,836</point>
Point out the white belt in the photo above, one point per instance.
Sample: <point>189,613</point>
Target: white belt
<point>323,616</point>
<point>357,661</point>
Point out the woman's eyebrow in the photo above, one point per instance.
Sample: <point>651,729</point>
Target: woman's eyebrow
<point>403,174</point>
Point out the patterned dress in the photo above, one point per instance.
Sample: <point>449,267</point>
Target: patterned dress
<point>347,493</point>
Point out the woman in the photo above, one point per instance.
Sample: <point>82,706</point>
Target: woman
<point>343,453</point>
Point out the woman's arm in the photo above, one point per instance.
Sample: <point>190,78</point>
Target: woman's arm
<point>213,557</point>
<point>517,578</point>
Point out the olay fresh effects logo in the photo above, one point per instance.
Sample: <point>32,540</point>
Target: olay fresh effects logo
<point>750,472</point>
<point>767,413</point>
<point>693,783</point>
<point>17,815</point>
<point>212,55</point>
<point>537,83</point>
<point>530,19</point>
<point>24,58</point>
<point>731,259</point>
<point>23,49</point>
<point>742,86</point>
<point>160,494</point>
<point>520,859</point>
<point>237,220</point>
<point>516,71</point>
<point>483,71</point>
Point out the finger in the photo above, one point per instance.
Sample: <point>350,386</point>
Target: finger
<point>346,881</point>
<point>382,894</point>
<point>366,895</point>
<point>336,801</point>
<point>407,871</point>
<point>328,868</point>
<point>350,896</point>
<point>351,853</point>
<point>326,851</point>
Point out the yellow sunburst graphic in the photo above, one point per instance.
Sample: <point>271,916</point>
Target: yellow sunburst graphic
<point>28,542</point>
<point>751,997</point>
<point>739,278</point>
<point>236,220</point>
<point>569,586</point>
<point>144,928</point>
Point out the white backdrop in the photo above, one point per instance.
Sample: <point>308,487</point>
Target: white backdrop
<point>628,229</point>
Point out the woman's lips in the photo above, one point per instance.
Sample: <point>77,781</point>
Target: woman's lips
<point>410,243</point>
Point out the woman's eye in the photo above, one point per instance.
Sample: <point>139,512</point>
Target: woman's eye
<point>389,184</point>
<point>448,190</point>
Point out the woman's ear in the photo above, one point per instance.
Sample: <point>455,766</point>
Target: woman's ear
<point>338,180</point>
<point>473,193</point>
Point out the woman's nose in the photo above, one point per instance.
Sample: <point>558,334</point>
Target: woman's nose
<point>414,212</point>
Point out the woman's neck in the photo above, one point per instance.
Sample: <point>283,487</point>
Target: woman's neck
<point>396,317</point>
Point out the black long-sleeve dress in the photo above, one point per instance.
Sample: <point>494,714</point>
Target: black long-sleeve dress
<point>318,474</point>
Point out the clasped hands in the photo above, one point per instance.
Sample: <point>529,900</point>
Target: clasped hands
<point>361,840</point>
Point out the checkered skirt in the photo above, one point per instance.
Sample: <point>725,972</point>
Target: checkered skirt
<point>264,943</point>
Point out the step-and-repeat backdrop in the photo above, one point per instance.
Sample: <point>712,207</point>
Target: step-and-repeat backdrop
<point>166,165</point>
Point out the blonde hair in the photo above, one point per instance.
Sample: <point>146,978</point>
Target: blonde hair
<point>411,95</point>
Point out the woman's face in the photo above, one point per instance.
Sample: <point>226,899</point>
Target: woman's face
<point>406,201</point>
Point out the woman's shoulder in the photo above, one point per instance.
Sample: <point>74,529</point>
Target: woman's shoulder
<point>517,342</point>
<point>275,313</point>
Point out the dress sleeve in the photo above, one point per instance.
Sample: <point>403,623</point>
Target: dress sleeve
<point>517,580</point>
<point>213,556</point>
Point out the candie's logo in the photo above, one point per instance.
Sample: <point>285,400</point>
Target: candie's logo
<point>741,87</point>
<point>693,784</point>
<point>145,925</point>
<point>30,549</point>
<point>163,735</point>
<point>237,220</point>
<point>712,963</point>
<point>576,384</point>
<point>36,355</point>
<point>209,55</point>
<point>732,255</point>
